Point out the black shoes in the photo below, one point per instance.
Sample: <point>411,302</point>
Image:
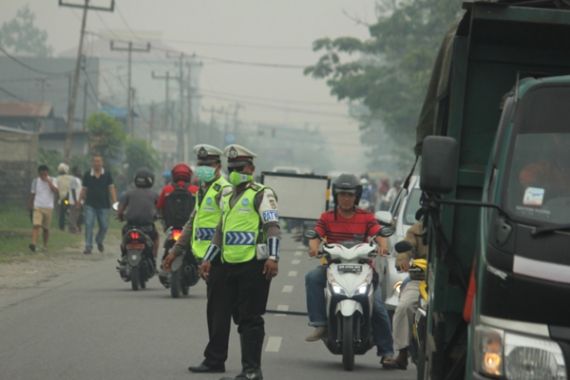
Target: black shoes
<point>101,247</point>
<point>205,368</point>
<point>32,247</point>
<point>253,375</point>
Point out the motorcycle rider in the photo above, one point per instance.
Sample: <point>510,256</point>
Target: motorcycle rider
<point>138,208</point>
<point>197,233</point>
<point>346,222</point>
<point>181,175</point>
<point>409,296</point>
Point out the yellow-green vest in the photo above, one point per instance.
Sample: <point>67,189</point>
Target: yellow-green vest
<point>241,227</point>
<point>207,217</point>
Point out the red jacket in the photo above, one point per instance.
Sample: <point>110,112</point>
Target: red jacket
<point>168,189</point>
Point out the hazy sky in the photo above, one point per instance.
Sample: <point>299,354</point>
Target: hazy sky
<point>270,31</point>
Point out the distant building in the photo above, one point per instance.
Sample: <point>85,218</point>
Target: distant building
<point>30,117</point>
<point>18,160</point>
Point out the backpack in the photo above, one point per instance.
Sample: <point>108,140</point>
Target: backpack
<point>178,206</point>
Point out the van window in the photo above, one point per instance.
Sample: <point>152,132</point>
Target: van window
<point>412,206</point>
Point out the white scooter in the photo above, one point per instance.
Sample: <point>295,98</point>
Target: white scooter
<point>349,296</point>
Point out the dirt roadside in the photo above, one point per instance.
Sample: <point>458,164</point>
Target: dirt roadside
<point>33,271</point>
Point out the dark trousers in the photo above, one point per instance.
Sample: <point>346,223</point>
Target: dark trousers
<point>61,215</point>
<point>239,291</point>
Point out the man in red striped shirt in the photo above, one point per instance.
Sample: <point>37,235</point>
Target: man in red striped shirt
<point>345,222</point>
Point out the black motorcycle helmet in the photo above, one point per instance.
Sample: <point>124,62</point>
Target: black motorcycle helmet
<point>144,178</point>
<point>347,183</point>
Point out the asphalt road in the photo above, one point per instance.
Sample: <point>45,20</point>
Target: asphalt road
<point>89,325</point>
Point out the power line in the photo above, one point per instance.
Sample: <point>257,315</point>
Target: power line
<point>219,59</point>
<point>286,109</point>
<point>275,100</point>
<point>11,94</point>
<point>28,66</point>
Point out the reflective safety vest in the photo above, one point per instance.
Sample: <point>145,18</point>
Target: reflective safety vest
<point>241,226</point>
<point>207,217</point>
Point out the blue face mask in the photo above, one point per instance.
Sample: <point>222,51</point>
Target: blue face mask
<point>205,173</point>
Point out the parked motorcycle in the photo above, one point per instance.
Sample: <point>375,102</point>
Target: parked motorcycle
<point>184,269</point>
<point>137,263</point>
<point>349,296</point>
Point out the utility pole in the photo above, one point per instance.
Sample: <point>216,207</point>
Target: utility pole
<point>181,145</point>
<point>75,86</point>
<point>129,49</point>
<point>151,125</point>
<point>180,136</point>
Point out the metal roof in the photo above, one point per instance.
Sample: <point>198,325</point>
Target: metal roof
<point>28,110</point>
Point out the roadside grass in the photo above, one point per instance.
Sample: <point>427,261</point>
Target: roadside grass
<point>16,234</point>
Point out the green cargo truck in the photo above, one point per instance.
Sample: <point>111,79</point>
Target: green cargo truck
<point>496,180</point>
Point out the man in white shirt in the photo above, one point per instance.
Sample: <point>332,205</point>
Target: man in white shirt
<point>42,199</point>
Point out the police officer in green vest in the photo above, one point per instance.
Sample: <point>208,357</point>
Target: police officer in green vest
<point>197,234</point>
<point>247,242</point>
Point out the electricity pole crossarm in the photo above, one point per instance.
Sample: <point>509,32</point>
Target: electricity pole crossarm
<point>130,48</point>
<point>75,85</point>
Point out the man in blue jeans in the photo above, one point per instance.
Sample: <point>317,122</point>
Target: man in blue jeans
<point>346,222</point>
<point>98,193</point>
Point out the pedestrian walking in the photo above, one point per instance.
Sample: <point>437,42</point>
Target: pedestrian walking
<point>98,192</point>
<point>42,199</point>
<point>247,243</point>
<point>63,180</point>
<point>197,233</point>
<point>74,201</point>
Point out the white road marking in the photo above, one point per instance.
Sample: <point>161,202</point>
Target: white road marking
<point>298,253</point>
<point>282,308</point>
<point>287,289</point>
<point>295,262</point>
<point>293,273</point>
<point>273,344</point>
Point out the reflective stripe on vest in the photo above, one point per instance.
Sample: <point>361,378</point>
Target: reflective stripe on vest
<point>207,217</point>
<point>241,225</point>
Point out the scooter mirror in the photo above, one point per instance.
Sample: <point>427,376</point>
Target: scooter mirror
<point>384,218</point>
<point>311,234</point>
<point>403,246</point>
<point>386,231</point>
<point>115,206</point>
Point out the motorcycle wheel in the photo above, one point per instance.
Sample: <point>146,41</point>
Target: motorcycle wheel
<point>135,278</point>
<point>175,284</point>
<point>185,289</point>
<point>347,343</point>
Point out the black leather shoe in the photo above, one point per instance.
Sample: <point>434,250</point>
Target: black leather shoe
<point>204,368</point>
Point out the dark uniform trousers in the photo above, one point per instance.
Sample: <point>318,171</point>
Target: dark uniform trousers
<point>239,291</point>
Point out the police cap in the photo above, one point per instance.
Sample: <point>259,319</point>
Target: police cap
<point>207,154</point>
<point>238,155</point>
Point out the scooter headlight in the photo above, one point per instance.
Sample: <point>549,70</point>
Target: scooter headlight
<point>362,289</point>
<point>337,289</point>
<point>515,356</point>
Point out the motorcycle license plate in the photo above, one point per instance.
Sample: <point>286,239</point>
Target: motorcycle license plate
<point>346,268</point>
<point>135,246</point>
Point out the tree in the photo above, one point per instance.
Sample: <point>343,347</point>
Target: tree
<point>140,154</point>
<point>106,136</point>
<point>21,36</point>
<point>388,79</point>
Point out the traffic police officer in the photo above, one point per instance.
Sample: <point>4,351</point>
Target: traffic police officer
<point>247,242</point>
<point>198,233</point>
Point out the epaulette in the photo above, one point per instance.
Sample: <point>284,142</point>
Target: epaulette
<point>256,186</point>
